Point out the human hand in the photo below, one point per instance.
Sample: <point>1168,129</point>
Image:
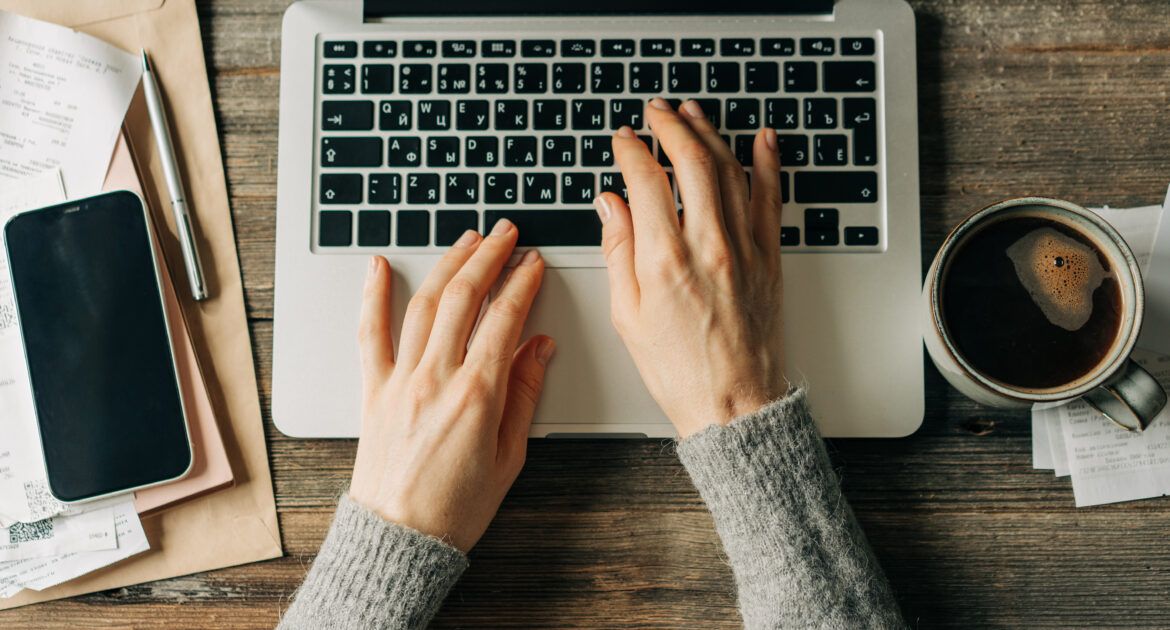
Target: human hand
<point>445,424</point>
<point>697,301</point>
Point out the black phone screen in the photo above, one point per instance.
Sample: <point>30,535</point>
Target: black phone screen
<point>99,351</point>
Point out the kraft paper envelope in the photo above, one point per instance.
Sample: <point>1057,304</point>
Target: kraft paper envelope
<point>237,525</point>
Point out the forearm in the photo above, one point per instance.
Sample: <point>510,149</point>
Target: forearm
<point>798,555</point>
<point>373,574</point>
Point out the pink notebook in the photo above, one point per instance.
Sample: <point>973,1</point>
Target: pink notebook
<point>211,469</point>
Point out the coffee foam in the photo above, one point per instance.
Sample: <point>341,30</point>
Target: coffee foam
<point>1060,273</point>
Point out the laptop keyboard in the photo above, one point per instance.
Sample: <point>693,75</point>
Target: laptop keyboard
<point>418,140</point>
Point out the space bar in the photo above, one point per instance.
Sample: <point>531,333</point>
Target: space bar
<point>548,228</point>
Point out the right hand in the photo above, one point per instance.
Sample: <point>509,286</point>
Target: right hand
<point>697,301</point>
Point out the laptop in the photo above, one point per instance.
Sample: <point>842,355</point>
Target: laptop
<point>402,124</point>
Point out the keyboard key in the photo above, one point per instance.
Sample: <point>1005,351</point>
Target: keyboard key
<point>334,50</point>
<point>712,109</point>
<point>830,150</point>
<point>511,115</point>
<point>657,47</point>
<point>686,77</point>
<point>471,115</point>
<point>743,149</point>
<point>646,77</point>
<point>577,188</point>
<point>414,78</point>
<point>373,228</point>
<point>558,151</point>
<point>743,113</point>
<point>793,149</point>
<point>434,115</point>
<point>861,236</point>
<point>596,151</point>
<point>617,48</point>
<point>351,151</point>
<point>403,151</point>
<point>454,78</point>
<point>860,115</point>
<point>335,228</point>
<point>578,48</point>
<point>697,48</point>
<point>849,76</point>
<point>820,113</point>
<point>347,116</point>
<point>394,115</point>
<point>821,218</point>
<point>781,113</point>
<point>442,151</point>
<point>520,151</point>
<point>548,115</point>
<point>451,224</point>
<point>737,47</point>
<point>461,188</point>
<point>530,78</point>
<point>383,50</point>
<point>538,48</point>
<point>540,188</point>
<point>762,76</point>
<point>784,188</point>
<point>384,188</point>
<point>856,46</point>
<point>614,183</point>
<point>722,76</point>
<point>625,111</point>
<point>821,237</point>
<point>817,46</point>
<point>800,76</point>
<point>338,79</point>
<point>588,114</point>
<point>836,186</point>
<point>499,188</point>
<point>549,228</point>
<point>418,49</point>
<point>608,78</point>
<point>568,78</point>
<point>422,188</point>
<point>491,78</point>
<point>789,236</point>
<point>483,150</point>
<point>414,228</point>
<point>499,48</point>
<point>778,47</point>
<point>337,188</point>
<point>459,48</point>
<point>377,78</point>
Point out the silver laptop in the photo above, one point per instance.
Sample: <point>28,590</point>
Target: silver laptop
<point>402,124</point>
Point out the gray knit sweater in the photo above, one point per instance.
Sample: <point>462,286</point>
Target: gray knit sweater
<point>799,558</point>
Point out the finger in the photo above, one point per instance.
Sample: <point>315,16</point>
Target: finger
<point>525,382</point>
<point>733,193</point>
<point>617,242</point>
<point>499,331</point>
<point>420,312</point>
<point>375,341</point>
<point>765,199</point>
<point>463,296</point>
<point>651,200</point>
<point>695,172</point>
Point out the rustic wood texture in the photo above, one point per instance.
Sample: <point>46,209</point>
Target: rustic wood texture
<point>1068,98</point>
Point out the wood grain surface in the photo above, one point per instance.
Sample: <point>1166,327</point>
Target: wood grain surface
<point>1066,98</point>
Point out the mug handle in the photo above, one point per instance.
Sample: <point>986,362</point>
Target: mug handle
<point>1131,395</point>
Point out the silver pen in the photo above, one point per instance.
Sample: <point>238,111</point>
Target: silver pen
<point>166,152</point>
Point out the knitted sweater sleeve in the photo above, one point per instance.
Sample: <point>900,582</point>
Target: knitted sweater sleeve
<point>799,558</point>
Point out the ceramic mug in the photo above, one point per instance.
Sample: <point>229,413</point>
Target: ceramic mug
<point>1117,386</point>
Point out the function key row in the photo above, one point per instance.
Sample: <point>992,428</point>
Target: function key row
<point>702,47</point>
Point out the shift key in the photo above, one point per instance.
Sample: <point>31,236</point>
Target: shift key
<point>836,186</point>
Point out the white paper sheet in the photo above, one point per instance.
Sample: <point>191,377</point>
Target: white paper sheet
<point>1156,330</point>
<point>61,534</point>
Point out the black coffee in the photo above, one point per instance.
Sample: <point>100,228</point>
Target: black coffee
<point>1031,303</point>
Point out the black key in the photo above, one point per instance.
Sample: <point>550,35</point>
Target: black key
<point>588,114</point>
<point>743,113</point>
<point>576,188</point>
<point>836,187</point>
<point>471,115</point>
<point>762,76</point>
<point>422,188</point>
<point>614,183</point>
<point>647,140</point>
<point>830,150</point>
<point>491,78</point>
<point>373,228</point>
<point>451,224</point>
<point>384,49</point>
<point>558,151</point>
<point>538,48</point>
<point>711,108</point>
<point>781,113</point>
<point>499,188</point>
<point>511,115</point>
<point>697,47</point>
<point>394,115</point>
<point>338,79</point>
<point>856,46</point>
<point>646,77</point>
<point>865,145</point>
<point>617,48</point>
<point>340,49</point>
<point>454,78</point>
<point>418,49</point>
<point>596,151</point>
<point>858,112</point>
<point>377,78</point>
<point>414,78</point>
<point>520,151</point>
<point>461,188</point>
<point>540,188</point>
<point>793,150</point>
<point>849,76</point>
<point>625,111</point>
<point>861,236</point>
<point>784,188</point>
<point>817,46</point>
<point>685,77</point>
<point>442,151</point>
<point>789,236</point>
<point>578,48</point>
<point>414,228</point>
<point>821,237</point>
<point>549,228</point>
<point>384,188</point>
<point>568,78</point>
<point>743,149</point>
<point>459,48</point>
<point>530,78</point>
<point>737,47</point>
<point>657,47</point>
<point>340,188</point>
<point>335,228</point>
<point>403,151</point>
<point>778,47</point>
<point>434,115</point>
<point>351,151</point>
<point>800,76</point>
<point>722,76</point>
<point>820,113</point>
<point>482,150</point>
<point>499,48</point>
<point>608,78</point>
<point>347,115</point>
<point>821,218</point>
<point>548,114</point>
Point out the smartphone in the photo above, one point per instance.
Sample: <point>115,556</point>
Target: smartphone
<point>98,346</point>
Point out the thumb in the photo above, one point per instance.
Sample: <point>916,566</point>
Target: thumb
<point>525,383</point>
<point>617,241</point>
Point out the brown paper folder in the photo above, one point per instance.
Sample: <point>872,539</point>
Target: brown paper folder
<point>237,525</point>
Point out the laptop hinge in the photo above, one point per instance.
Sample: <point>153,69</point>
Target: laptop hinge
<point>374,9</point>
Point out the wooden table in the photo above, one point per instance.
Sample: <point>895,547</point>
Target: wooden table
<point>1067,98</point>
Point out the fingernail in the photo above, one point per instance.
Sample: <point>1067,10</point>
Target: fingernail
<point>501,227</point>
<point>626,132</point>
<point>604,212</point>
<point>469,237</point>
<point>530,257</point>
<point>692,109</point>
<point>770,138</point>
<point>659,103</point>
<point>545,350</point>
